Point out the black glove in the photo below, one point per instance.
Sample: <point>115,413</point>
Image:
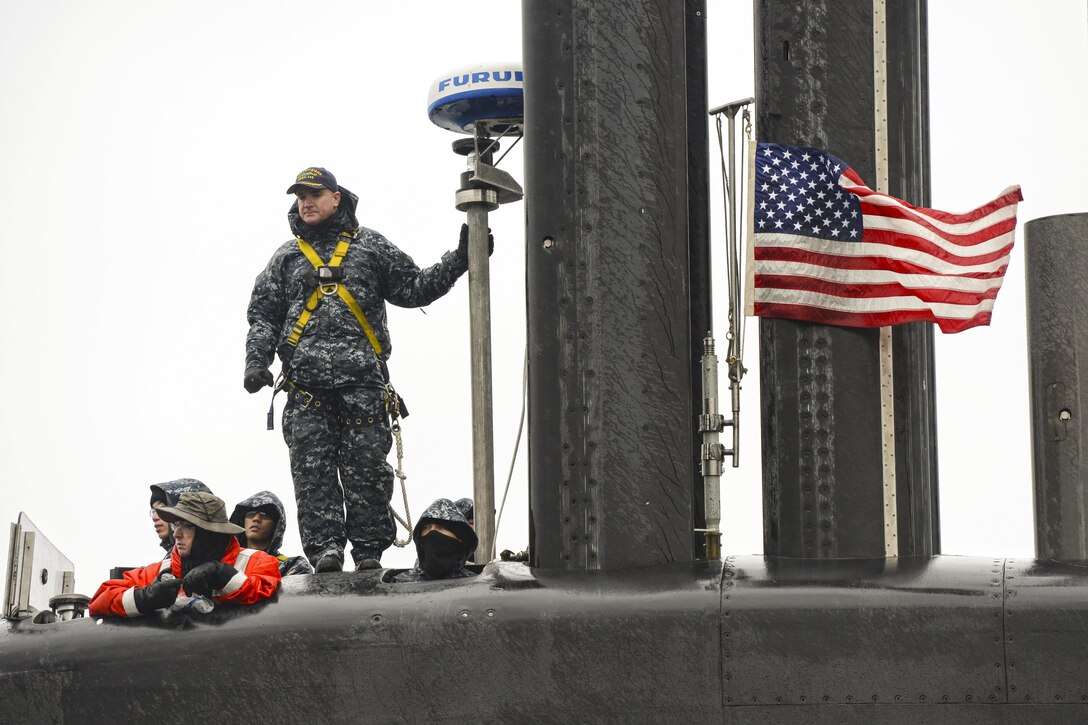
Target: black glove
<point>156,595</point>
<point>462,243</point>
<point>208,577</point>
<point>257,378</point>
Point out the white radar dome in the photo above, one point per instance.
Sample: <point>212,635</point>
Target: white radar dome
<point>490,94</point>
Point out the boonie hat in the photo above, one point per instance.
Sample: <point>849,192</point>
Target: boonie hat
<point>201,509</point>
<point>314,177</point>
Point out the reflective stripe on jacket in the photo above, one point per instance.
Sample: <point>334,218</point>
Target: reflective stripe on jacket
<point>257,578</point>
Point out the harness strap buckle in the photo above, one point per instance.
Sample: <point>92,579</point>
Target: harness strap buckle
<point>306,396</point>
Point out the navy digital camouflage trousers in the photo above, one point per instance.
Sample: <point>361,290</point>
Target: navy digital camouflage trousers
<point>339,442</point>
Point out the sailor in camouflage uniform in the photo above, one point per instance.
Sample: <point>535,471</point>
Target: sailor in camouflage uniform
<point>320,304</point>
<point>270,508</point>
<point>444,543</point>
<point>467,509</point>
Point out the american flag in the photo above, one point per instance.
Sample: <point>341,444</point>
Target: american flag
<point>823,247</point>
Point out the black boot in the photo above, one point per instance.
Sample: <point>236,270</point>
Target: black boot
<point>329,562</point>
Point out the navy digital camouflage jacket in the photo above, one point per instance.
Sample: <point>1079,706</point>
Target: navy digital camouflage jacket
<point>270,503</point>
<point>334,351</point>
<point>443,512</point>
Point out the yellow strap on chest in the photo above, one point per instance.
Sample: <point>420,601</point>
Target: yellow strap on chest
<point>339,289</point>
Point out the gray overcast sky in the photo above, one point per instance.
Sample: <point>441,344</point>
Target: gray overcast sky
<point>146,148</point>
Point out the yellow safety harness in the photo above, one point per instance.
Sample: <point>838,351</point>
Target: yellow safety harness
<point>333,288</point>
<point>394,405</point>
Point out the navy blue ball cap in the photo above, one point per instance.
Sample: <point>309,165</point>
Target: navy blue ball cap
<point>314,177</point>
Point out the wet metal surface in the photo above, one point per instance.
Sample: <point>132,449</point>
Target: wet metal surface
<point>957,639</point>
<point>612,356</point>
<point>1056,275</point>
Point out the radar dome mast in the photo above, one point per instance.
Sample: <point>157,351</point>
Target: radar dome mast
<point>487,103</point>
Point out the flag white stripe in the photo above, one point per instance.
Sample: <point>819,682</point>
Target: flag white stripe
<point>876,276</point>
<point>953,228</point>
<point>869,305</point>
<point>914,229</point>
<point>866,249</point>
<point>958,228</point>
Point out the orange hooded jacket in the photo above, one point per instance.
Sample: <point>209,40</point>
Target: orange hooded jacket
<point>257,579</point>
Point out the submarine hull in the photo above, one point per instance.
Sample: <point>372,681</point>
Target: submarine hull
<point>750,639</point>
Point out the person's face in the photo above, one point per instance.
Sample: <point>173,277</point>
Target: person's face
<point>162,529</point>
<point>431,526</point>
<point>259,529</point>
<point>184,533</point>
<point>316,205</point>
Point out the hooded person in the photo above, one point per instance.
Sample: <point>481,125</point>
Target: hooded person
<point>444,542</point>
<point>167,494</point>
<point>263,523</point>
<point>206,564</point>
<point>465,506</point>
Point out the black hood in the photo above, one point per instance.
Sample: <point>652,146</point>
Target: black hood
<point>343,220</point>
<point>269,503</point>
<point>465,506</point>
<point>446,514</point>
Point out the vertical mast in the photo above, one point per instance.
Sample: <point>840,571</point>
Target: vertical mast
<point>823,442</point>
<point>1057,292</point>
<point>615,166</point>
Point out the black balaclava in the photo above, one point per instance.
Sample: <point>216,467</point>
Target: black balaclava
<point>441,555</point>
<point>207,546</point>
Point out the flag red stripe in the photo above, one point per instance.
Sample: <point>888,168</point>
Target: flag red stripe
<point>853,176</point>
<point>880,319</point>
<point>1003,226</point>
<point>797,254</point>
<point>923,246</point>
<point>1007,199</point>
<point>861,290</point>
